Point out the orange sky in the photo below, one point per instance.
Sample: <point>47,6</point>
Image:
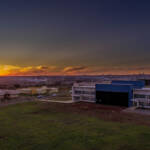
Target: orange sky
<point>11,70</point>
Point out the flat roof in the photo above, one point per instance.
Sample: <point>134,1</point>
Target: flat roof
<point>84,86</point>
<point>142,89</point>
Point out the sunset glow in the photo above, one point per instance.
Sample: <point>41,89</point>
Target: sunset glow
<point>9,70</point>
<point>74,37</point>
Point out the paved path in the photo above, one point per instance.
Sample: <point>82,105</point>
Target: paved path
<point>12,102</point>
<point>137,111</point>
<point>52,101</point>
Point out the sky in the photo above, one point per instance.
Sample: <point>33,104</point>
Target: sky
<point>74,37</point>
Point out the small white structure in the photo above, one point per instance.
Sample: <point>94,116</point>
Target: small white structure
<point>2,93</point>
<point>42,90</point>
<point>83,93</point>
<point>8,93</point>
<point>12,93</point>
<point>34,90</point>
<point>141,97</point>
<point>53,90</point>
<point>25,91</point>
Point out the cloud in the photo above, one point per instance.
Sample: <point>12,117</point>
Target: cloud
<point>106,70</point>
<point>29,70</point>
<point>71,69</point>
<point>46,67</point>
<point>10,70</point>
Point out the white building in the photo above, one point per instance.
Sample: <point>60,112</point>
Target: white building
<point>53,90</point>
<point>141,97</point>
<point>8,94</point>
<point>83,93</point>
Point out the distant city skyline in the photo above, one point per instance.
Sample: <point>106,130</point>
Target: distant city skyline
<point>74,37</point>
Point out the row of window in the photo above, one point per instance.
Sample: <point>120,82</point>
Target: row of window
<point>84,92</point>
<point>141,104</point>
<point>76,97</point>
<point>141,96</point>
<point>84,98</point>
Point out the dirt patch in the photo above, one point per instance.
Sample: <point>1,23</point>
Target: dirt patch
<point>2,137</point>
<point>104,112</point>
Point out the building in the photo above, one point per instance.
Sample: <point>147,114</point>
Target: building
<point>12,93</point>
<point>83,93</point>
<point>141,97</point>
<point>114,94</point>
<point>53,90</point>
<point>146,80</point>
<point>118,93</point>
<point>135,84</point>
<point>8,94</point>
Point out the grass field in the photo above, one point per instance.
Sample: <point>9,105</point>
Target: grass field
<point>36,126</point>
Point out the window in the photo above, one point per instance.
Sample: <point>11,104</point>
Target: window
<point>76,97</point>
<point>139,96</point>
<point>78,92</point>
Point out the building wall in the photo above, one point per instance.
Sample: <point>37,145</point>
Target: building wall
<point>117,88</point>
<point>88,93</point>
<point>83,93</point>
<point>141,97</point>
<point>135,84</point>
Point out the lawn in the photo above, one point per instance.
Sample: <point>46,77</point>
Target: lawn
<point>35,126</point>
